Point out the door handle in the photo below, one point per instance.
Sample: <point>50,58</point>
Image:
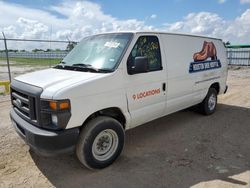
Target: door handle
<point>164,86</point>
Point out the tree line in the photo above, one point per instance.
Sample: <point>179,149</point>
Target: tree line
<point>69,47</point>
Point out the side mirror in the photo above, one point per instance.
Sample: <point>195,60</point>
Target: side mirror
<point>141,65</point>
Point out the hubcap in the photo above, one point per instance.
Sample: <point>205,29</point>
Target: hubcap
<point>105,145</point>
<point>212,102</point>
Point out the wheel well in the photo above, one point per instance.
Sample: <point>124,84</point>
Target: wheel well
<point>216,86</point>
<point>113,112</point>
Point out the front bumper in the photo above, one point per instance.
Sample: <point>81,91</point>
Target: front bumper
<point>45,142</point>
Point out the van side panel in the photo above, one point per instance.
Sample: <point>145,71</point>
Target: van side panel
<point>204,79</point>
<point>179,50</point>
<point>185,88</point>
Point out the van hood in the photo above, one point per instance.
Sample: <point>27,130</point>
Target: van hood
<point>50,77</point>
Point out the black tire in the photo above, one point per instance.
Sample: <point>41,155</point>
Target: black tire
<point>205,106</point>
<point>94,129</point>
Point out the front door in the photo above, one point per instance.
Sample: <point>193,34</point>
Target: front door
<point>146,91</point>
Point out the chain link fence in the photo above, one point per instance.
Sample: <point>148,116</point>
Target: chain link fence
<point>238,55</point>
<point>19,56</point>
<point>36,55</point>
<point>22,55</point>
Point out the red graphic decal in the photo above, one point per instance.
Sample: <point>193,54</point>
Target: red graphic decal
<point>208,51</point>
<point>147,93</point>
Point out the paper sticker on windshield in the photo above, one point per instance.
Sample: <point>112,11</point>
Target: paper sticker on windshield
<point>112,44</point>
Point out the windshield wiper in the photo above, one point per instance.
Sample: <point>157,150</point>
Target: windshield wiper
<point>90,67</point>
<point>81,67</point>
<point>60,65</point>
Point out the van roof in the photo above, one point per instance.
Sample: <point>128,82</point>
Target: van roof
<point>162,32</point>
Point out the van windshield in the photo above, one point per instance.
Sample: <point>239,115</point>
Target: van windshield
<point>99,52</point>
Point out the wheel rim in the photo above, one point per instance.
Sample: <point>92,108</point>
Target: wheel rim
<point>212,102</point>
<point>105,145</point>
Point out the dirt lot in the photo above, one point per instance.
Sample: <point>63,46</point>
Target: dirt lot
<point>16,70</point>
<point>184,149</point>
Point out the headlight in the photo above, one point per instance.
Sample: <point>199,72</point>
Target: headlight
<point>54,119</point>
<point>55,114</point>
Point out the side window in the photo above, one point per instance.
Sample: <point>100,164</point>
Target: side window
<point>147,46</point>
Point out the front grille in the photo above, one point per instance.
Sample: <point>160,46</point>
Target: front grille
<point>25,101</point>
<point>24,104</point>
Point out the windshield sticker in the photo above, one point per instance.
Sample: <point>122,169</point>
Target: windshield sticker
<point>112,44</point>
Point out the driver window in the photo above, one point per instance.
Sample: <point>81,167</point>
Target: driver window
<point>149,47</point>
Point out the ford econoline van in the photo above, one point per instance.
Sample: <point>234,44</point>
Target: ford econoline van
<point>113,82</point>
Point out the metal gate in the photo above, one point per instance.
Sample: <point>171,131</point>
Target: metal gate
<point>238,55</point>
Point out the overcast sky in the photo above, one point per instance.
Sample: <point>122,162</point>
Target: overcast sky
<point>69,19</point>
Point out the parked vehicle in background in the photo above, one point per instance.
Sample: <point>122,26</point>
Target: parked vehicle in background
<point>113,82</point>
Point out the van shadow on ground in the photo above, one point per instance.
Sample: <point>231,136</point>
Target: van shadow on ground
<point>179,150</point>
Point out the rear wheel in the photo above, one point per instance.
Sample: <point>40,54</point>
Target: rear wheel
<point>208,105</point>
<point>100,142</point>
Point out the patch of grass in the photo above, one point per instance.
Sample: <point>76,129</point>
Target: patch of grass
<point>32,61</point>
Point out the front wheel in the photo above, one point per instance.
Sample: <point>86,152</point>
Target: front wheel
<point>208,105</point>
<point>100,142</point>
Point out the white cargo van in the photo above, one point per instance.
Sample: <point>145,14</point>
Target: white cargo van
<point>113,82</point>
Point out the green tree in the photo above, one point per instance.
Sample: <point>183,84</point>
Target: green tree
<point>48,50</point>
<point>70,45</point>
<point>37,50</point>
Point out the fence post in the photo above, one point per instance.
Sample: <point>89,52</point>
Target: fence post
<point>249,58</point>
<point>7,56</point>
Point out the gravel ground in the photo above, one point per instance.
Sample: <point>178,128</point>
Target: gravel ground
<point>16,69</point>
<point>184,149</point>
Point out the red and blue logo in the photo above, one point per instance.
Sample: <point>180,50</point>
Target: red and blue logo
<point>201,62</point>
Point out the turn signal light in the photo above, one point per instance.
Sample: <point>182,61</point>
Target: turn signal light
<point>59,105</point>
<point>64,105</point>
<point>53,105</point>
